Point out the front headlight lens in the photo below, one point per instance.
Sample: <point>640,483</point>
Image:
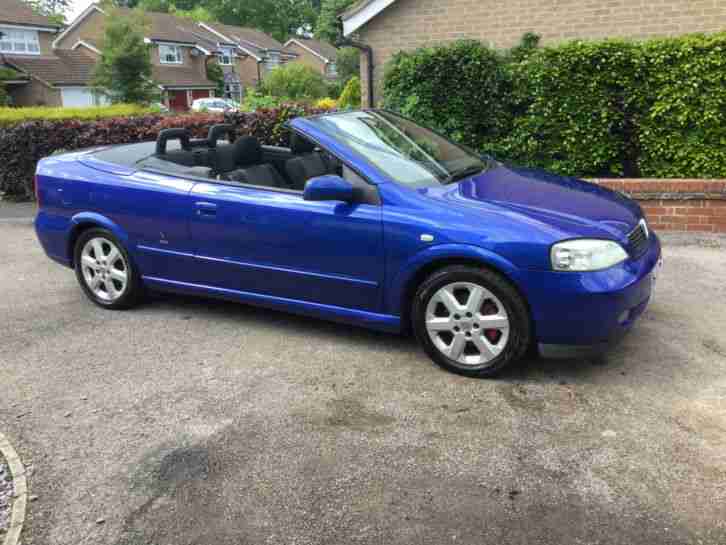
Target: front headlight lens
<point>586,255</point>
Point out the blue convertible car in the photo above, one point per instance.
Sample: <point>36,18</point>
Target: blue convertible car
<point>368,218</point>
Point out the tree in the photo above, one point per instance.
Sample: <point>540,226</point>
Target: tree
<point>348,63</point>
<point>124,71</point>
<point>328,26</point>
<point>279,18</point>
<point>53,9</point>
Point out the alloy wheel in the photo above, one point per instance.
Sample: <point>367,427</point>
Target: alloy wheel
<point>467,323</point>
<point>104,268</point>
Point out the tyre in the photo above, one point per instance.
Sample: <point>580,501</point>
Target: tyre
<point>471,321</point>
<point>105,271</point>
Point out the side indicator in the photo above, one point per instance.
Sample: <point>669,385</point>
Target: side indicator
<point>427,238</point>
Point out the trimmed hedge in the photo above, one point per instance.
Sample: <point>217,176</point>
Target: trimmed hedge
<point>23,145</point>
<point>12,116</point>
<point>459,89</point>
<point>597,109</point>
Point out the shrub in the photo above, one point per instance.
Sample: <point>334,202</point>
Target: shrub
<point>350,97</point>
<point>683,130</point>
<point>268,124</point>
<point>460,89</point>
<point>573,108</point>
<point>254,100</point>
<point>605,108</point>
<point>326,104</point>
<point>13,116</point>
<point>294,81</point>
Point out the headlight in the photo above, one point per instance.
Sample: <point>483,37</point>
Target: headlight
<point>586,255</point>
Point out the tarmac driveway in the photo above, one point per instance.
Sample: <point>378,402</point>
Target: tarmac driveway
<point>194,422</point>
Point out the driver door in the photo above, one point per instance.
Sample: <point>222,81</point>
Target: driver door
<point>273,242</point>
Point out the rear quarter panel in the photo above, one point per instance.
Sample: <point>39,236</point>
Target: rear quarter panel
<point>146,211</point>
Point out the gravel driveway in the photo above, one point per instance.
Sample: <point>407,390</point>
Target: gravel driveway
<point>195,422</point>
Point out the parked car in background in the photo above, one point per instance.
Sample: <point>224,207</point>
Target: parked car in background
<point>369,219</point>
<point>215,105</point>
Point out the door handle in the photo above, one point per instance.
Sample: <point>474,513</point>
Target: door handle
<point>206,209</point>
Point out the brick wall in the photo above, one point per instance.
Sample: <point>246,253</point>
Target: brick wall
<point>409,24</point>
<point>678,205</point>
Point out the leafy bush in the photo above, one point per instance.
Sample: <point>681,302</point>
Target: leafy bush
<point>294,81</point>
<point>350,97</point>
<point>683,130</point>
<point>326,104</point>
<point>12,116</point>
<point>254,100</point>
<point>460,89</point>
<point>23,144</point>
<point>268,124</point>
<point>607,108</point>
<point>573,109</point>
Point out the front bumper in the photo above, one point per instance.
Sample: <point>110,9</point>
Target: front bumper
<point>580,314</point>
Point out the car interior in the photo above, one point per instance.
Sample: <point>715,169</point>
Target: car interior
<point>243,160</point>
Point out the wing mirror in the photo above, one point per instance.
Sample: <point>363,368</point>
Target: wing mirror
<point>328,188</point>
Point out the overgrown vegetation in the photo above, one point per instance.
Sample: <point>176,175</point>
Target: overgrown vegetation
<point>123,73</point>
<point>603,108</point>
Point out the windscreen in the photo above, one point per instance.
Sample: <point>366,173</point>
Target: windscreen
<point>407,153</point>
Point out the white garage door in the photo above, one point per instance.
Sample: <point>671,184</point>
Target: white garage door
<point>79,97</point>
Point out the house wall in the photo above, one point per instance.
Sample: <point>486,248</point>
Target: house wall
<point>305,57</point>
<point>187,59</point>
<point>35,93</point>
<point>409,24</point>
<point>92,29</point>
<point>45,40</point>
<point>247,70</point>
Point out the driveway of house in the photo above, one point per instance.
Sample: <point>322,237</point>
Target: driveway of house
<point>195,422</point>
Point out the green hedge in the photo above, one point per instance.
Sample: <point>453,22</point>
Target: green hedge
<point>459,89</point>
<point>604,108</point>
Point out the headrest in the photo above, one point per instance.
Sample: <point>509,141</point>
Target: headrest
<point>172,134</point>
<point>247,151</point>
<point>298,144</point>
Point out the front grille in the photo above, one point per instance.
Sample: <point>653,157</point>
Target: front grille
<point>638,239</point>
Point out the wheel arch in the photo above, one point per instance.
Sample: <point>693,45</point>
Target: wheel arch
<point>89,220</point>
<point>438,258</point>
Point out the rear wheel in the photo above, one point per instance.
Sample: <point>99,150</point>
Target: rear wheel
<point>105,271</point>
<point>471,321</point>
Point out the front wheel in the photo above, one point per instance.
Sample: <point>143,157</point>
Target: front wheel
<point>105,271</point>
<point>471,321</point>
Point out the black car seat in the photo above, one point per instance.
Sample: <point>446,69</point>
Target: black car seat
<point>249,166</point>
<point>306,164</point>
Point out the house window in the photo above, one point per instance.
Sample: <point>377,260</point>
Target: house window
<point>225,56</point>
<point>170,54</point>
<point>331,69</point>
<point>273,60</point>
<point>24,42</point>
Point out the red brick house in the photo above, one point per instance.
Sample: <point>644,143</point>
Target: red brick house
<point>44,75</point>
<point>55,66</point>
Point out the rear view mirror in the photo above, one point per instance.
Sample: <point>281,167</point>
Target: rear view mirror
<point>328,188</point>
